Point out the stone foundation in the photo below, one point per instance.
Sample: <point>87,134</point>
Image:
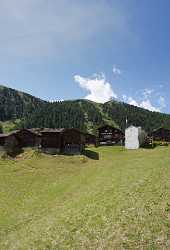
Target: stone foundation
<point>51,151</point>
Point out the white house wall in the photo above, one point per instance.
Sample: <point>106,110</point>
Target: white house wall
<point>132,138</point>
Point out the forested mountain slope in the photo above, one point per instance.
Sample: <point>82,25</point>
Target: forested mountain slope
<point>149,120</point>
<point>83,114</point>
<point>16,104</point>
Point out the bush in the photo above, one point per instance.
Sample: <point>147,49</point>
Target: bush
<point>161,143</point>
<point>12,147</point>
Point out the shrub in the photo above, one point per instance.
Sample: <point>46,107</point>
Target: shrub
<point>11,146</point>
<point>161,143</point>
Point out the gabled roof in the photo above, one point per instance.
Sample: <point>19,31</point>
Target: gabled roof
<point>35,130</point>
<point>132,126</point>
<point>52,130</point>
<point>110,126</point>
<point>59,130</point>
<point>105,125</point>
<point>15,132</point>
<point>12,132</point>
<point>161,128</point>
<point>3,135</point>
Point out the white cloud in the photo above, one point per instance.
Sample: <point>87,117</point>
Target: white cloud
<point>146,104</point>
<point>116,70</point>
<point>58,100</point>
<point>132,101</point>
<point>162,102</point>
<point>99,89</point>
<point>124,98</point>
<point>145,100</point>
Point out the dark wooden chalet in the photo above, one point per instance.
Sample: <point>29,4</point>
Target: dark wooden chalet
<point>9,139</point>
<point>27,138</point>
<point>68,141</point>
<point>51,140</point>
<point>12,146</point>
<point>24,138</point>
<point>109,135</point>
<point>161,134</point>
<point>73,141</point>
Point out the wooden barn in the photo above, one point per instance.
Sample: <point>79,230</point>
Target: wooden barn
<point>12,145</point>
<point>161,134</point>
<point>24,138</point>
<point>27,138</point>
<point>73,141</point>
<point>109,135</point>
<point>67,141</point>
<point>51,140</point>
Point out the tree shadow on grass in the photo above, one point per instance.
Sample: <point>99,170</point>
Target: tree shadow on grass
<point>148,146</point>
<point>91,154</point>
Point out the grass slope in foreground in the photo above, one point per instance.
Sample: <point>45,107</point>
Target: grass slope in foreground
<point>121,201</point>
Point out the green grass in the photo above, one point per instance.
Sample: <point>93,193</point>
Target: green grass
<point>11,125</point>
<point>121,201</point>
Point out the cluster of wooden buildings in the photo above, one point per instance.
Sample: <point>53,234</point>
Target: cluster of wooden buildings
<point>133,137</point>
<point>62,140</point>
<point>67,141</point>
<point>73,141</point>
<point>161,134</point>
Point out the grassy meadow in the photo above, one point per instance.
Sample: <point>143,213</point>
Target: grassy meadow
<point>11,125</point>
<point>121,201</point>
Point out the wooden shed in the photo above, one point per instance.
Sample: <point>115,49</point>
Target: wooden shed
<point>51,140</point>
<point>161,134</point>
<point>27,138</point>
<point>12,145</point>
<point>72,141</point>
<point>68,141</point>
<point>109,135</point>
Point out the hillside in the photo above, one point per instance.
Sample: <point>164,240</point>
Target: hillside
<point>149,120</point>
<point>88,115</point>
<point>83,114</point>
<point>16,104</point>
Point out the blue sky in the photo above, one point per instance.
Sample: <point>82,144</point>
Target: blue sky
<point>95,49</point>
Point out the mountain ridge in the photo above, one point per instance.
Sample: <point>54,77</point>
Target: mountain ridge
<point>81,113</point>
